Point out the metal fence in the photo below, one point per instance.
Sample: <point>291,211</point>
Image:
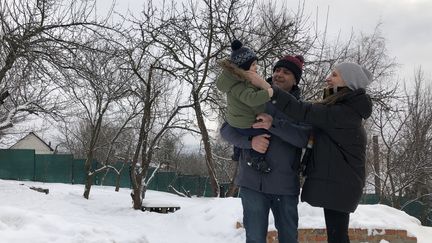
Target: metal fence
<point>25,165</point>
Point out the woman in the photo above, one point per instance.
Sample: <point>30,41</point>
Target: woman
<point>335,171</point>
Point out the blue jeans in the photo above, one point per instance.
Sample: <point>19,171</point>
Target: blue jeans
<point>256,208</point>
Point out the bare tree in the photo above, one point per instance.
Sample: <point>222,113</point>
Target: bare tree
<point>226,168</point>
<point>389,124</point>
<point>156,88</point>
<point>417,145</point>
<point>170,148</point>
<point>31,92</point>
<point>157,117</point>
<point>198,34</point>
<point>406,140</point>
<point>189,39</point>
<point>94,80</point>
<point>33,34</point>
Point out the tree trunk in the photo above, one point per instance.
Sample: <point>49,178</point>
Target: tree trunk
<point>207,147</point>
<point>136,197</point>
<point>89,160</point>
<point>136,189</point>
<point>376,164</point>
<point>233,188</point>
<point>135,180</point>
<point>89,183</point>
<point>395,201</point>
<point>10,60</point>
<point>117,188</point>
<point>89,174</point>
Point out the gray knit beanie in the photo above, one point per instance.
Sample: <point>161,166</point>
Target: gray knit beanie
<point>354,75</point>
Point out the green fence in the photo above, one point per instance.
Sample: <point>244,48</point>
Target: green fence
<point>417,209</point>
<point>17,164</point>
<point>110,177</point>
<point>63,168</point>
<point>194,185</point>
<point>54,168</point>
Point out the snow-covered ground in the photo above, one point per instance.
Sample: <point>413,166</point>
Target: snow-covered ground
<point>65,216</point>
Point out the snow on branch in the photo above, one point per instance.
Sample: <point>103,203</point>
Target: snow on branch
<point>7,123</point>
<point>153,174</point>
<point>186,194</point>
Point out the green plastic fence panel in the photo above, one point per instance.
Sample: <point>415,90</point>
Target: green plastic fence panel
<point>415,209</point>
<point>17,164</point>
<point>110,177</point>
<point>373,199</point>
<point>125,177</point>
<point>369,199</point>
<point>202,186</point>
<point>429,218</point>
<point>78,173</point>
<point>189,184</point>
<point>195,185</point>
<point>164,180</point>
<point>418,210</point>
<point>153,185</point>
<point>156,183</point>
<point>179,183</point>
<point>54,168</point>
<point>206,187</point>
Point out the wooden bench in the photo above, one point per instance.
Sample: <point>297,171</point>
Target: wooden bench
<point>159,206</point>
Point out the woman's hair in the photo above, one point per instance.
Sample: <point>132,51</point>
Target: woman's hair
<point>330,97</point>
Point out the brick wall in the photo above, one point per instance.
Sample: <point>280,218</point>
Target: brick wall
<point>356,236</point>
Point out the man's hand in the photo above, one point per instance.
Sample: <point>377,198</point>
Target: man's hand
<point>264,121</point>
<point>260,143</point>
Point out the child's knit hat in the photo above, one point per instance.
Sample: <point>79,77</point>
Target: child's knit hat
<point>242,56</point>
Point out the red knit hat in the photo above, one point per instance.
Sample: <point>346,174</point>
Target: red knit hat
<point>292,63</point>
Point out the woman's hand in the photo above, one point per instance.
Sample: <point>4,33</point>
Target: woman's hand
<point>264,121</point>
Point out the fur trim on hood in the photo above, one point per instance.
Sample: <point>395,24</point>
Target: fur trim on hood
<point>230,67</point>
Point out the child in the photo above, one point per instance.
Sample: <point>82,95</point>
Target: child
<point>244,101</point>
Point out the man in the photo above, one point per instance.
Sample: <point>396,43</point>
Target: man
<point>277,190</point>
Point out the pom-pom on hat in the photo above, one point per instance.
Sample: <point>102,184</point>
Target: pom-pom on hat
<point>242,56</point>
<point>292,63</point>
<point>354,75</point>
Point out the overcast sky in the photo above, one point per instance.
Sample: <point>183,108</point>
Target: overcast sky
<point>406,25</point>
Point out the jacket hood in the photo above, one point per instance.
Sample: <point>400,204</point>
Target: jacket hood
<point>360,102</point>
<point>230,76</point>
<point>233,69</point>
